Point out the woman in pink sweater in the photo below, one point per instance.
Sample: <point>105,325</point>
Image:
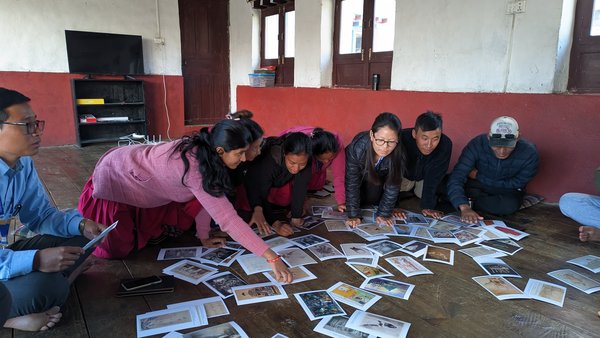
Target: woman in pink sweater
<point>146,186</point>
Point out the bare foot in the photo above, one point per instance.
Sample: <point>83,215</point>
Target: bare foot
<point>589,234</point>
<point>41,321</point>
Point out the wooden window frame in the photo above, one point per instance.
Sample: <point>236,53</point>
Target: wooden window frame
<point>284,75</point>
<point>357,69</point>
<point>585,52</point>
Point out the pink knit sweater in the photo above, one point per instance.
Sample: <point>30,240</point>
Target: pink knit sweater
<point>148,176</point>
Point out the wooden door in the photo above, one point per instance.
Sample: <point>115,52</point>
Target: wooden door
<point>205,60</point>
<point>584,72</point>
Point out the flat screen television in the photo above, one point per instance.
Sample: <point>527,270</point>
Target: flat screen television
<point>104,53</point>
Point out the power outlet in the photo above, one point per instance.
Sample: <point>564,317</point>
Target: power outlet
<point>159,40</point>
<point>516,7</point>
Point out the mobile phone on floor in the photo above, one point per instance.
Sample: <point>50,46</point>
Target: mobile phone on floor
<point>139,283</point>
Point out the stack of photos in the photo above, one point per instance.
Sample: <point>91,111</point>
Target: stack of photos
<point>222,283</point>
<point>496,267</point>
<point>368,271</point>
<point>576,280</point>
<point>377,325</point>
<point>546,292</point>
<point>508,246</point>
<point>500,287</point>
<point>325,251</point>
<point>229,329</point>
<point>299,273</point>
<point>295,257</point>
<point>252,264</point>
<point>336,327</point>
<point>439,255</point>
<point>384,247</point>
<point>408,266</point>
<point>415,248</point>
<point>206,307</point>
<point>318,304</point>
<point>220,256</point>
<point>190,271</point>
<point>337,225</point>
<point>388,287</point>
<point>589,262</point>
<point>356,250</point>
<point>307,241</point>
<point>168,320</point>
<point>257,293</point>
<point>193,252</point>
<point>353,296</point>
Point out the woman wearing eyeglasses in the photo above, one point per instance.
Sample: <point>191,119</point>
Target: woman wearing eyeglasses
<point>375,163</point>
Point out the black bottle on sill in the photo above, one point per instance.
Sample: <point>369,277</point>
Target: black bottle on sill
<point>375,82</point>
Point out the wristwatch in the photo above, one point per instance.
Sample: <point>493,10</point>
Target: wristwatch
<point>82,225</point>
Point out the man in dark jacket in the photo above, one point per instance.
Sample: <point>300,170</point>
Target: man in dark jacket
<point>428,154</point>
<point>496,168</point>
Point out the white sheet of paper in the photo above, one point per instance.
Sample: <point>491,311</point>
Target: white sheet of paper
<point>98,238</point>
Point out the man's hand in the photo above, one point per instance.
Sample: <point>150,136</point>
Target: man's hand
<point>384,220</point>
<point>341,207</point>
<point>297,222</point>
<point>56,259</point>
<point>473,174</point>
<point>258,218</point>
<point>91,229</point>
<point>353,222</point>
<point>468,215</point>
<point>280,270</point>
<point>213,242</point>
<point>432,213</point>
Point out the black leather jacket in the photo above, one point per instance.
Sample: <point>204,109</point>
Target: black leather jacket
<point>357,173</point>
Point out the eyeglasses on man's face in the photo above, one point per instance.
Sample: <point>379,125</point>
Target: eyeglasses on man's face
<point>31,127</point>
<point>381,142</point>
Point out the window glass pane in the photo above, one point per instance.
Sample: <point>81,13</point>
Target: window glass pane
<point>595,30</point>
<point>271,33</point>
<point>383,25</point>
<point>351,20</point>
<point>290,33</point>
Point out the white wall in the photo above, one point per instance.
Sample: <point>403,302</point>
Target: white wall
<point>33,37</point>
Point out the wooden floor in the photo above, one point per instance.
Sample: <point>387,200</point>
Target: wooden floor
<point>446,304</point>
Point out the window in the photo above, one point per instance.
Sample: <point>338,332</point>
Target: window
<point>584,70</point>
<point>363,42</point>
<point>278,20</point>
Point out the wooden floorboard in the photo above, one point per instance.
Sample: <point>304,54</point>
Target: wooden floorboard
<point>446,304</point>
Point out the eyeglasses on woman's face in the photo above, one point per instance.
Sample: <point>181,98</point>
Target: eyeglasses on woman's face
<point>381,142</point>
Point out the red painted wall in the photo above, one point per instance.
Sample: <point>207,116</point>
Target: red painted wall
<point>51,99</point>
<point>564,127</point>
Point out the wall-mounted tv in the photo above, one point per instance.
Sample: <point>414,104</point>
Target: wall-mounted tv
<point>104,53</point>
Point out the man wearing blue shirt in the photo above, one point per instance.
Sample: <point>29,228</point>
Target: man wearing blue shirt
<point>35,273</point>
<point>492,172</point>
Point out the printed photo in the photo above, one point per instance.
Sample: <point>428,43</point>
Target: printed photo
<point>353,296</point>
<point>279,243</point>
<point>168,320</point>
<point>317,210</point>
<point>415,248</point>
<point>308,240</point>
<point>311,222</point>
<point>479,251</point>
<point>403,230</point>
<point>219,255</point>
<point>326,251</point>
<point>337,225</point>
<point>383,248</point>
<point>576,280</point>
<point>372,261</point>
<point>442,236</point>
<point>439,255</point>
<point>369,271</point>
<point>295,257</point>
<point>252,264</point>
<point>444,226</point>
<point>589,262</point>
<point>299,273</point>
<point>179,253</point>
<point>256,293</point>
<point>206,308</point>
<point>331,214</point>
<point>336,327</point>
<point>465,237</point>
<point>455,219</point>
<point>408,266</point>
<point>222,283</point>
<point>507,246</point>
<point>356,250</point>
<point>318,304</point>
<point>229,330</point>
<point>412,218</point>
<point>377,325</point>
<point>373,229</point>
<point>500,287</point>
<point>422,233</point>
<point>388,287</point>
<point>190,271</point>
<point>496,267</point>
<point>546,292</point>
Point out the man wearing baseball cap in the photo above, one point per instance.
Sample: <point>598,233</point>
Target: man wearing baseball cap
<point>35,273</point>
<point>492,172</point>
